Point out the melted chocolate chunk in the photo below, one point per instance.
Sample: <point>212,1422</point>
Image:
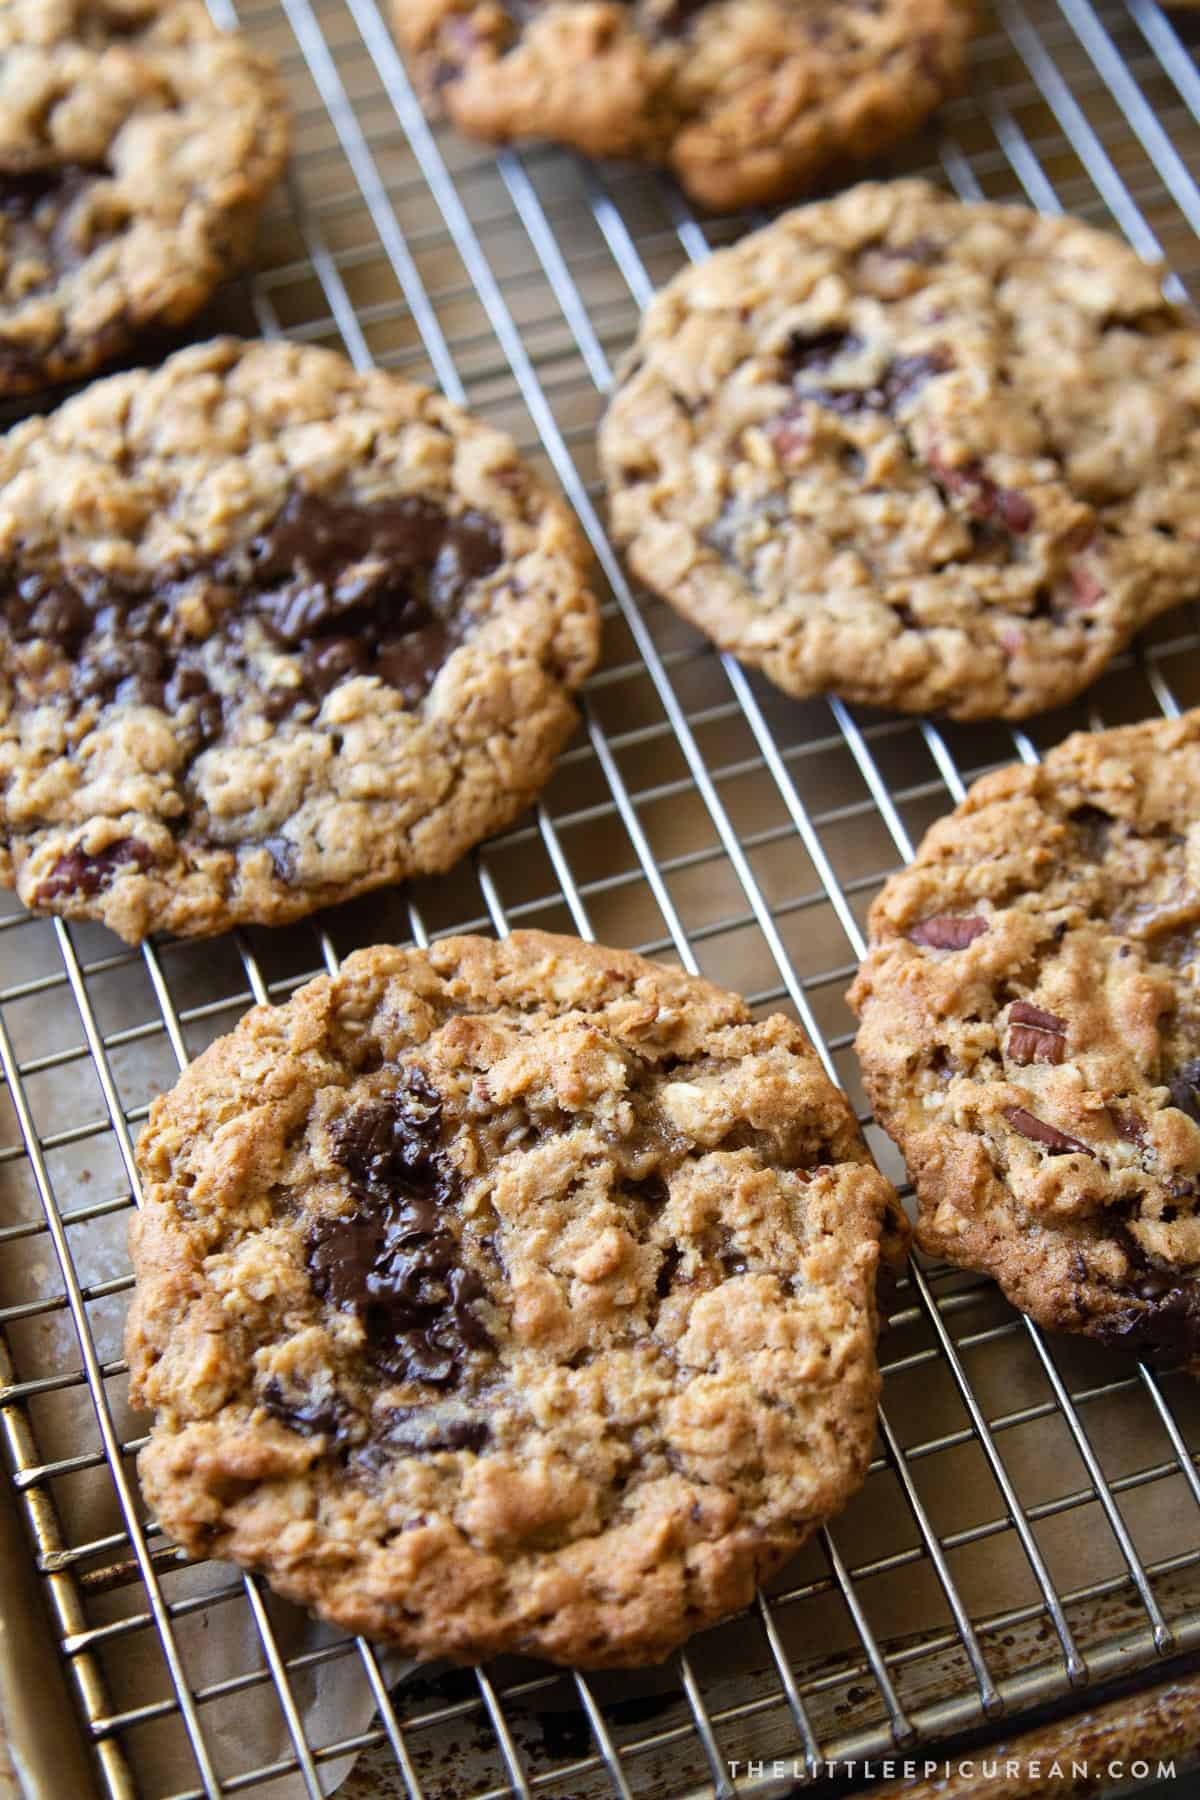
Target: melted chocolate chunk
<point>346,589</point>
<point>1039,1132</point>
<point>76,873</point>
<point>57,613</point>
<point>394,1141</point>
<point>1184,1086</point>
<point>35,210</point>
<point>664,1281</point>
<point>1128,1127</point>
<point>1093,826</point>
<point>901,379</point>
<point>653,1189</point>
<point>1162,1322</point>
<point>1163,1328</point>
<point>392,1260</point>
<point>300,1412</point>
<point>22,191</point>
<point>819,349</point>
<point>947,932</point>
<point>357,589</point>
<point>416,1430</point>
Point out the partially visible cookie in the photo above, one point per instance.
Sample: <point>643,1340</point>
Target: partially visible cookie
<point>1030,1035</point>
<point>746,100</point>
<point>137,145</point>
<point>508,1297</point>
<point>926,454</point>
<point>274,632</point>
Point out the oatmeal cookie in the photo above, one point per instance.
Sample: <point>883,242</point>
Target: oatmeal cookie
<point>508,1296</point>
<point>137,146</point>
<point>917,452</point>
<point>273,632</point>
<point>745,100</point>
<point>1030,1035</point>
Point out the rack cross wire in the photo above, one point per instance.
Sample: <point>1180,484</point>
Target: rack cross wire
<point>1030,1528</point>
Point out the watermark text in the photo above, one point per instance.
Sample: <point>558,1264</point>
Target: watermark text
<point>965,1768</point>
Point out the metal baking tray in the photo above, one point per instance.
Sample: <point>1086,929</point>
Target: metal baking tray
<point>1029,1534</point>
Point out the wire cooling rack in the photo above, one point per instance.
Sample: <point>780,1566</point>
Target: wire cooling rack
<point>1030,1529</point>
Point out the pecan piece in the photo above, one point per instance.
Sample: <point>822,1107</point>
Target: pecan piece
<point>1016,511</point>
<point>82,873</point>
<point>985,498</point>
<point>947,932</point>
<point>1086,587</point>
<point>1039,1132</point>
<point>791,433</point>
<point>1034,1035</point>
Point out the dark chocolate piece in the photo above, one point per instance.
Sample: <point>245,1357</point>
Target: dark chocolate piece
<point>819,349</point>
<point>1093,826</point>
<point>1161,1323</point>
<point>900,380</point>
<point>1128,1126</point>
<point>1039,1132</point>
<point>1184,1087</point>
<point>36,205</point>
<point>393,1260</point>
<point>665,1279</point>
<point>300,1412</point>
<point>347,589</point>
<point>420,1429</point>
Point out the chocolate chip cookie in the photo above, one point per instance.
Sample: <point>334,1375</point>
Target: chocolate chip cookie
<point>1030,1035</point>
<point>273,632</point>
<point>507,1296</point>
<point>745,100</point>
<point>920,453</point>
<point>137,145</point>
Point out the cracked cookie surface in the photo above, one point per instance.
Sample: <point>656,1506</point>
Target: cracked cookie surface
<point>1031,1035</point>
<point>508,1296</point>
<point>137,146</point>
<point>274,632</point>
<point>916,452</point>
<point>746,100</point>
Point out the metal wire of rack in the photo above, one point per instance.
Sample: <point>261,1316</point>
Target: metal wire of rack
<point>1030,1528</point>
